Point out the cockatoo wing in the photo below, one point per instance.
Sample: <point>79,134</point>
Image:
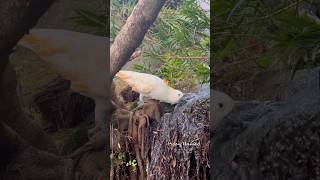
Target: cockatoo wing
<point>150,86</point>
<point>140,82</point>
<point>79,57</point>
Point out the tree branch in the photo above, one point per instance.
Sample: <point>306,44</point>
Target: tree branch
<point>132,33</point>
<point>16,18</point>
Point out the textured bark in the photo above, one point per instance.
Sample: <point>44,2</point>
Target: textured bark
<point>32,163</point>
<point>16,17</point>
<point>132,33</point>
<point>180,146</point>
<point>16,119</point>
<point>129,39</point>
<point>172,146</point>
<point>11,144</point>
<point>135,142</point>
<point>54,102</point>
<point>60,107</point>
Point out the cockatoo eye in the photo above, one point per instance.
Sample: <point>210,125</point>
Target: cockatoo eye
<point>220,105</point>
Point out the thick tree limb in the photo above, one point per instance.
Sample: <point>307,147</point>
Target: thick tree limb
<point>132,33</point>
<point>16,18</point>
<point>15,118</point>
<point>10,142</point>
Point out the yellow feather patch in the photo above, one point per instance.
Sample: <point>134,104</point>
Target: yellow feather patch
<point>134,88</point>
<point>146,89</point>
<point>77,82</point>
<point>166,82</point>
<point>122,75</point>
<point>43,46</point>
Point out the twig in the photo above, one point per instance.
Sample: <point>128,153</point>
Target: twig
<point>264,17</point>
<point>187,57</point>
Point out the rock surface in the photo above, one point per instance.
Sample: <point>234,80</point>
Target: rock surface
<point>272,139</point>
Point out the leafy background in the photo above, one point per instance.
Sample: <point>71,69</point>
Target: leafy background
<point>259,36</point>
<point>175,48</point>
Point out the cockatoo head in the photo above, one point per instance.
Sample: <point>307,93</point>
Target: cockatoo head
<point>175,96</point>
<point>222,105</point>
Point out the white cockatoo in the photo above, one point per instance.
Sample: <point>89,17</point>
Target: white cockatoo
<point>79,57</point>
<point>150,86</point>
<point>222,105</point>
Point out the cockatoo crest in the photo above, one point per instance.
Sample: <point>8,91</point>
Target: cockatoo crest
<point>166,82</point>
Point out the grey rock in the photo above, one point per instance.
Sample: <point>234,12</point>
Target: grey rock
<point>272,139</point>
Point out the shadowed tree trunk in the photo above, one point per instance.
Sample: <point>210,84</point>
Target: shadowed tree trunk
<point>129,39</point>
<point>16,119</point>
<point>16,18</point>
<point>19,136</point>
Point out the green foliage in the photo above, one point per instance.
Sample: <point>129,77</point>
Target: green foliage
<point>120,159</point>
<point>177,38</point>
<point>289,37</point>
<point>296,41</point>
<point>179,71</point>
<point>92,18</point>
<point>120,11</point>
<point>132,164</point>
<point>179,41</point>
<point>180,28</point>
<point>264,62</point>
<point>176,71</point>
<point>226,48</point>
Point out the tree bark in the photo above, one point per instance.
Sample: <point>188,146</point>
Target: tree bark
<point>129,39</point>
<point>10,143</point>
<point>17,131</point>
<point>132,33</point>
<point>16,18</point>
<point>16,119</point>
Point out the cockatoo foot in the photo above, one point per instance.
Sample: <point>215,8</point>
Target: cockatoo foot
<point>140,103</point>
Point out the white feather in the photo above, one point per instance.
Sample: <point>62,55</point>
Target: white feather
<point>150,86</point>
<point>78,57</point>
<point>222,105</point>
